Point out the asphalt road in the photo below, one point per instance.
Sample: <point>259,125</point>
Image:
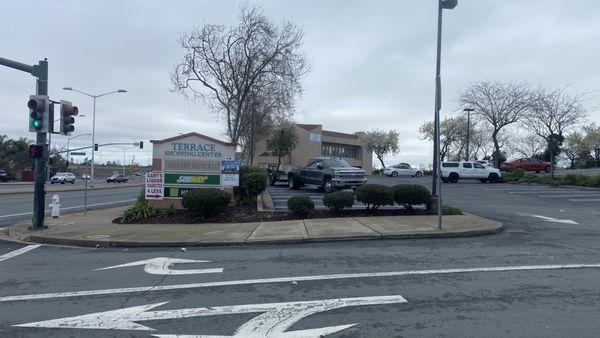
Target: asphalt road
<point>539,278</point>
<point>18,207</point>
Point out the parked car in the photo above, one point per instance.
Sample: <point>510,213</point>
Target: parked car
<point>117,178</point>
<point>3,176</point>
<point>402,169</point>
<point>528,164</point>
<point>327,173</point>
<point>485,163</point>
<point>276,175</point>
<point>454,171</point>
<point>85,177</point>
<point>62,178</point>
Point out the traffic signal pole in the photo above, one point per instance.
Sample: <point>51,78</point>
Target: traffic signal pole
<point>41,72</point>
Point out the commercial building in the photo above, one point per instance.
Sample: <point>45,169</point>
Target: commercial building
<point>314,141</point>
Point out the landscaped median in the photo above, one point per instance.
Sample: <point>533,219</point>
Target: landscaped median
<point>96,229</point>
<point>68,187</point>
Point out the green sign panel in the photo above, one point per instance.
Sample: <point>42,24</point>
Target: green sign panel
<point>201,179</point>
<point>77,153</point>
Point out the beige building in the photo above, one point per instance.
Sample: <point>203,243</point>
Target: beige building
<point>314,141</point>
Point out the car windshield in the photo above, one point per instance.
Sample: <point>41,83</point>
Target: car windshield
<point>335,162</point>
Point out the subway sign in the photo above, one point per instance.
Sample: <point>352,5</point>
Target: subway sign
<point>195,179</point>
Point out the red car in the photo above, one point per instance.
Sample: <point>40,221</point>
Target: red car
<point>528,164</point>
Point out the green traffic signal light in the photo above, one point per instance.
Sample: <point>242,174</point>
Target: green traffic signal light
<point>36,124</point>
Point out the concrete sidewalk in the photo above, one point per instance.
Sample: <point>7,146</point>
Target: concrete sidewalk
<point>96,229</point>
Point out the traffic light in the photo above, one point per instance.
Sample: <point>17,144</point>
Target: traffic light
<point>67,111</point>
<point>95,146</point>
<point>36,151</point>
<point>39,110</point>
<point>141,144</point>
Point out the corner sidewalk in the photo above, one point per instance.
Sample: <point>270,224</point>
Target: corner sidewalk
<point>96,230</point>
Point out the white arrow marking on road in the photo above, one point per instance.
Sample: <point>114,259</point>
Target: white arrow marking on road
<point>296,279</point>
<point>550,219</point>
<point>273,321</point>
<point>18,252</point>
<point>162,266</point>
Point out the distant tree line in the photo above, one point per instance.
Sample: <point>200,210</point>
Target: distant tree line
<point>519,119</point>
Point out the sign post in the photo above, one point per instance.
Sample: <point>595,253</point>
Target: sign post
<point>155,183</point>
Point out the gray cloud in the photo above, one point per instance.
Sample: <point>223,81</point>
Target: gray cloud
<point>372,62</point>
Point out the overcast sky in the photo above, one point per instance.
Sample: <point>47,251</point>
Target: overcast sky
<point>372,62</point>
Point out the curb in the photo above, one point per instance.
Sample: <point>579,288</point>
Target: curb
<point>68,190</point>
<point>122,244</point>
<point>575,187</point>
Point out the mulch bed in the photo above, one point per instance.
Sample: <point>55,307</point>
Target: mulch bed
<point>249,213</point>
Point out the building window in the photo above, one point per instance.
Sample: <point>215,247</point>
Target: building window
<point>339,150</point>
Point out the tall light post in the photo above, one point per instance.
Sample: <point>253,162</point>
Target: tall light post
<point>436,189</point>
<point>94,120</point>
<point>468,110</point>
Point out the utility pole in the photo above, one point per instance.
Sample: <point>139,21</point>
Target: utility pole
<point>468,110</point>
<point>41,72</point>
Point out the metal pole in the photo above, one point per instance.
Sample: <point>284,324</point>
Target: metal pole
<point>93,138</point>
<point>49,154</point>
<point>436,121</point>
<point>85,197</point>
<point>468,131</point>
<point>436,188</point>
<point>41,71</point>
<point>123,161</point>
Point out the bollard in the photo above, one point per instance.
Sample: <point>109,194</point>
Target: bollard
<point>55,205</point>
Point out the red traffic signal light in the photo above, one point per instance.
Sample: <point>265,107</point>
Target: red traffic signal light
<point>36,151</point>
<point>67,111</point>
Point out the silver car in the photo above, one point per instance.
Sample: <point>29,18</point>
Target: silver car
<point>402,169</point>
<point>62,178</point>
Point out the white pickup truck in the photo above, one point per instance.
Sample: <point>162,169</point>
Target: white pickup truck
<point>454,171</point>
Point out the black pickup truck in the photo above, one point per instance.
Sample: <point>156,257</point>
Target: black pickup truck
<point>327,173</point>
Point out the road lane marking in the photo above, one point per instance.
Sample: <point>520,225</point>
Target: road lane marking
<point>514,189</point>
<point>69,208</point>
<point>309,278</point>
<point>585,200</point>
<point>550,219</point>
<point>162,266</point>
<point>534,192</point>
<point>577,195</point>
<point>18,252</point>
<point>273,319</point>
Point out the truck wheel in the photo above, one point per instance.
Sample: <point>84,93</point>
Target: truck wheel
<point>453,178</point>
<point>62,182</point>
<point>292,183</point>
<point>493,178</point>
<point>328,186</point>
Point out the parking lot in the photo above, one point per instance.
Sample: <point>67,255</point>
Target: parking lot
<point>455,193</point>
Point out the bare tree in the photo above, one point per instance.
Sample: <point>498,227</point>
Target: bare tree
<point>553,113</point>
<point>499,105</point>
<point>238,71</point>
<point>381,143</point>
<point>452,134</point>
<point>528,145</point>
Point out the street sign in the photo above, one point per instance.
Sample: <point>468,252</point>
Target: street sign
<point>77,153</point>
<point>230,173</point>
<point>155,182</point>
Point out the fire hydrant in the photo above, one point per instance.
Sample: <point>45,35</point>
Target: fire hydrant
<point>55,205</point>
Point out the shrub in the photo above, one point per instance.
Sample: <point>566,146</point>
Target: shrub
<point>338,200</point>
<point>206,202</point>
<point>253,181</point>
<point>546,180</point>
<point>594,181</point>
<point>374,195</point>
<point>169,211</point>
<point>578,179</point>
<point>448,210</point>
<point>140,211</point>
<point>514,175</point>
<point>529,178</point>
<point>408,195</point>
<point>301,206</point>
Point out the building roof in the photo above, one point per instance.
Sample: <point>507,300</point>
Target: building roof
<point>191,134</point>
<point>308,126</point>
<point>337,134</point>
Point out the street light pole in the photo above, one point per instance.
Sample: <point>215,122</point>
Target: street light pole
<point>468,110</point>
<point>94,97</point>
<point>436,189</point>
